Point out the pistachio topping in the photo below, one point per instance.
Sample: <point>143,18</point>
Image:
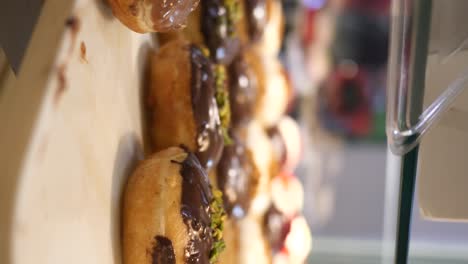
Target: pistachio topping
<point>233,14</point>
<point>218,216</point>
<point>205,51</point>
<point>222,99</point>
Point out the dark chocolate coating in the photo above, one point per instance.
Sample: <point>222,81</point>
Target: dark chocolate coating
<point>218,32</point>
<point>276,227</point>
<point>195,210</point>
<point>163,251</point>
<point>256,15</point>
<point>279,146</point>
<point>210,140</point>
<point>236,176</point>
<point>242,91</point>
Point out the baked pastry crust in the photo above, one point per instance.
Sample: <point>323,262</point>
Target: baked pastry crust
<point>181,102</point>
<point>151,207</point>
<point>144,16</point>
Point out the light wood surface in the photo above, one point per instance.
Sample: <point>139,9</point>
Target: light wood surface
<point>71,132</point>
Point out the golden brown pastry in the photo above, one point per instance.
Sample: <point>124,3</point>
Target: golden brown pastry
<point>152,15</point>
<point>285,139</point>
<point>244,171</point>
<point>170,214</point>
<point>182,103</point>
<point>253,245</point>
<point>287,193</point>
<point>261,149</point>
<point>273,89</point>
<point>270,41</point>
<point>274,238</point>
<point>213,24</point>
<point>230,254</point>
<point>290,133</point>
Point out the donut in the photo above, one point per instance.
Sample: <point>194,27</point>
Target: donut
<point>269,44</point>
<point>273,87</point>
<point>170,214</point>
<point>274,238</point>
<point>286,140</point>
<point>251,22</point>
<point>144,16</point>
<point>261,149</point>
<point>297,243</point>
<point>213,24</point>
<point>186,102</point>
<point>253,245</point>
<point>237,177</point>
<point>242,84</point>
<point>287,193</point>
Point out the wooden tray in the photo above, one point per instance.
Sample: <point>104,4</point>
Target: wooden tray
<point>71,132</point>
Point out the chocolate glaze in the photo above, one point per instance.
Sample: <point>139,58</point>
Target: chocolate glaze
<point>276,227</point>
<point>279,146</point>
<point>195,210</point>
<point>209,137</point>
<point>256,16</point>
<point>218,33</point>
<point>163,251</point>
<point>236,176</point>
<point>242,91</point>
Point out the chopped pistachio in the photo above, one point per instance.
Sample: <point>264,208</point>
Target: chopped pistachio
<point>205,51</point>
<point>218,216</point>
<point>222,99</point>
<point>233,14</point>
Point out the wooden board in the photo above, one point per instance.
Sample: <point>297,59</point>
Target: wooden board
<point>71,132</point>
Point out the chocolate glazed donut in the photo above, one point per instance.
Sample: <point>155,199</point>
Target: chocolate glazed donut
<point>212,24</point>
<point>217,20</point>
<point>182,102</point>
<point>152,15</point>
<point>170,214</point>
<point>256,15</point>
<point>237,178</point>
<point>242,91</point>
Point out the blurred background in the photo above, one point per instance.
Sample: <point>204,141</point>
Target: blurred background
<point>336,54</point>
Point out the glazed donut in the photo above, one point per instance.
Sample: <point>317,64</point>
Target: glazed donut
<point>259,145</point>
<point>252,22</point>
<point>287,193</point>
<point>170,214</point>
<point>270,41</point>
<point>273,89</point>
<point>182,103</point>
<point>296,242</point>
<point>237,177</point>
<point>230,255</point>
<point>253,245</point>
<point>256,17</point>
<point>286,140</point>
<point>152,15</point>
<point>288,237</point>
<point>242,91</point>
<point>212,24</point>
<point>274,239</point>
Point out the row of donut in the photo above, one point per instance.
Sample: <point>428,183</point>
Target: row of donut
<point>217,90</point>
